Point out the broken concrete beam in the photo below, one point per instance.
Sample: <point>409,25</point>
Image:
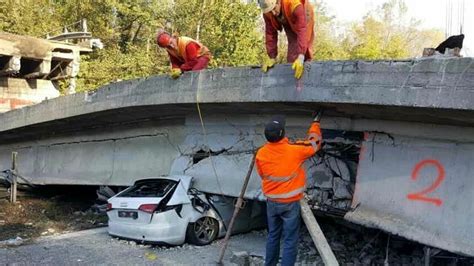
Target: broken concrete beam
<point>429,90</point>
<point>37,69</point>
<point>9,65</point>
<point>418,189</point>
<point>150,127</point>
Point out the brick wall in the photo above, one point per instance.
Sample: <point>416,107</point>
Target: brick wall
<point>17,93</point>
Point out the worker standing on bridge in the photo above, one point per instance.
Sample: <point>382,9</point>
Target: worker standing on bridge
<point>297,18</point>
<point>185,53</point>
<point>279,164</point>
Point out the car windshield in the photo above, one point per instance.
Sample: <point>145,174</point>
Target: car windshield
<point>155,188</point>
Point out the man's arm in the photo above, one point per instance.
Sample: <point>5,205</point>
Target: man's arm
<point>299,15</point>
<point>175,63</point>
<point>313,142</point>
<point>192,50</point>
<point>259,170</point>
<point>271,37</point>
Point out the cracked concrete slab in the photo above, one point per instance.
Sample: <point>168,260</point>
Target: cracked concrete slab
<point>150,127</point>
<point>429,91</point>
<point>418,188</point>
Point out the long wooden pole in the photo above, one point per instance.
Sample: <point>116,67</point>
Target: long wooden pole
<point>238,206</point>
<point>317,235</point>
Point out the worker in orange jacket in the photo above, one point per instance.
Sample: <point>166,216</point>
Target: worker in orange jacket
<point>280,165</point>
<point>297,18</point>
<point>185,53</point>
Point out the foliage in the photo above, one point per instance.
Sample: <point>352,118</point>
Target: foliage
<point>233,31</point>
<point>111,65</point>
<point>229,28</point>
<point>326,45</point>
<point>388,33</point>
<point>28,17</point>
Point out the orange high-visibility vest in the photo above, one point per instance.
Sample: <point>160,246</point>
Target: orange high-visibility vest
<point>287,7</point>
<point>180,53</point>
<point>279,165</point>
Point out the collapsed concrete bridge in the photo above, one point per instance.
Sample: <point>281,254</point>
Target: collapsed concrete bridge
<point>399,138</point>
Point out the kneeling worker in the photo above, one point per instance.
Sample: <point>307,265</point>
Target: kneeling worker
<point>185,53</point>
<point>297,18</point>
<point>279,163</point>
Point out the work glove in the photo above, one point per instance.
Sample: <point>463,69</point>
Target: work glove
<point>298,66</point>
<point>175,73</point>
<point>317,115</point>
<point>267,64</point>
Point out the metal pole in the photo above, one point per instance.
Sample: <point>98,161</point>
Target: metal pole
<point>427,251</point>
<point>238,205</point>
<point>13,187</point>
<point>84,25</point>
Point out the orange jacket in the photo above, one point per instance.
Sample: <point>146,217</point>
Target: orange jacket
<point>301,37</point>
<point>180,52</point>
<point>279,165</point>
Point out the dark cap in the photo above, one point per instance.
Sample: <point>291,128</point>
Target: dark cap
<point>275,129</point>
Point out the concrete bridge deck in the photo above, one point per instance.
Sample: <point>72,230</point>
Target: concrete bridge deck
<point>429,91</point>
<point>415,119</point>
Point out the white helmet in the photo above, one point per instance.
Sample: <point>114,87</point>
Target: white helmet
<point>267,5</point>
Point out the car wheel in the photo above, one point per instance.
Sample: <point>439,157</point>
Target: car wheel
<point>203,231</point>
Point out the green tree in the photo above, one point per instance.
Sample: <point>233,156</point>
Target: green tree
<point>233,30</point>
<point>388,33</point>
<point>229,28</point>
<point>327,44</point>
<point>127,28</point>
<point>29,17</point>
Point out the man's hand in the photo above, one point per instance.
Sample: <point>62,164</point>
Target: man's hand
<point>298,66</point>
<point>175,73</point>
<point>267,64</point>
<point>317,115</point>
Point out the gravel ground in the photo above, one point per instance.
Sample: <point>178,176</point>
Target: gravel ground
<point>95,246</point>
<point>352,246</point>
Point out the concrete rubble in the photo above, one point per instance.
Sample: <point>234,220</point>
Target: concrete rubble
<point>12,242</point>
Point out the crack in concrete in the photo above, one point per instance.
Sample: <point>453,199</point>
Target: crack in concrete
<point>95,140</point>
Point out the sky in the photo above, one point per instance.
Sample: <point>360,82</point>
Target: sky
<point>432,14</point>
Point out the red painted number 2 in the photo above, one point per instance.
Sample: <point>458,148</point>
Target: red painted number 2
<point>422,195</point>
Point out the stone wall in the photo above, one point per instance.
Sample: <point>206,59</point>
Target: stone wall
<point>17,93</point>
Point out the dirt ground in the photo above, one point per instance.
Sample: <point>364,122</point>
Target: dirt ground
<point>96,247</point>
<point>43,219</point>
<point>39,215</point>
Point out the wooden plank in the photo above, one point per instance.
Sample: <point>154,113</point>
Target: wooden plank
<point>317,235</point>
<point>14,184</point>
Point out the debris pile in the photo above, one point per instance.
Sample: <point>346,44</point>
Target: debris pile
<point>34,216</point>
<point>356,245</point>
<point>12,242</point>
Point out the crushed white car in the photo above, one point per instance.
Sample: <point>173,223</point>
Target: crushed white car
<point>167,210</point>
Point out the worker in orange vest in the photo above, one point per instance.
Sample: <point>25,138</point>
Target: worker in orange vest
<point>185,53</point>
<point>297,18</point>
<point>280,165</point>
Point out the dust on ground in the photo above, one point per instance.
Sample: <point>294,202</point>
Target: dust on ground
<point>38,215</point>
